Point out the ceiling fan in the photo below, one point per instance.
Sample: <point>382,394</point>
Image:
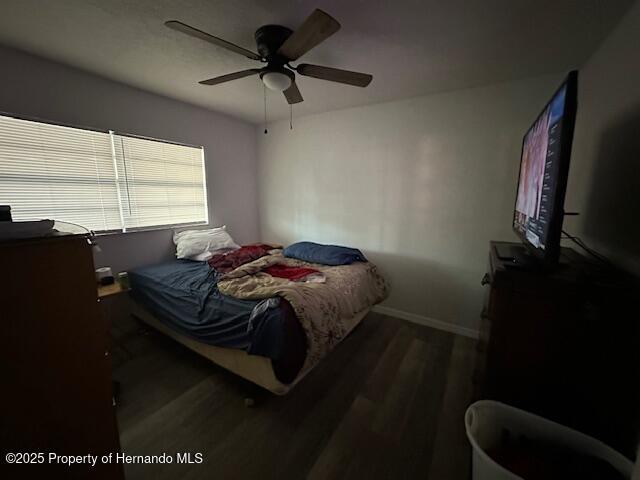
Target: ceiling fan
<point>277,46</point>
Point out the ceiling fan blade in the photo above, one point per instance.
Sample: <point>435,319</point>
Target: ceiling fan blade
<point>292,94</point>
<point>230,76</point>
<point>335,75</point>
<point>194,32</point>
<point>316,28</point>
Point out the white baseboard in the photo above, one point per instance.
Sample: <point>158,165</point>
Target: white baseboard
<point>429,322</point>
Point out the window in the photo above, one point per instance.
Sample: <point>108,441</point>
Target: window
<point>101,180</point>
<point>162,183</point>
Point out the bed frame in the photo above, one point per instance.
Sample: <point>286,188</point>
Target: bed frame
<point>255,368</point>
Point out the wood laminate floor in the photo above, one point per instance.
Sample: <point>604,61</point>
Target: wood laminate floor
<point>387,403</point>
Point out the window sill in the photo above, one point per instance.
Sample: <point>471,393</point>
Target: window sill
<point>180,226</point>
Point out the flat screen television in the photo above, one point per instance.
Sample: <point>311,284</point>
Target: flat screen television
<point>544,168</point>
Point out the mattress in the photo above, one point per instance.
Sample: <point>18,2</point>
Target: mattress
<point>258,339</point>
<point>183,295</point>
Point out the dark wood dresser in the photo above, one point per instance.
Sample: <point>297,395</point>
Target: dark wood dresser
<point>564,344</point>
<point>56,370</point>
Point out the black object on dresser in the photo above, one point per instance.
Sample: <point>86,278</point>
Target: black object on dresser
<point>563,344</point>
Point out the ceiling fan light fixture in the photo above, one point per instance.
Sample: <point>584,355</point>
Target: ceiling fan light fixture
<point>276,81</point>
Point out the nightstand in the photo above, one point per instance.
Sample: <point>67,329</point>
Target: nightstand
<point>107,293</point>
<point>109,290</point>
<point>107,300</point>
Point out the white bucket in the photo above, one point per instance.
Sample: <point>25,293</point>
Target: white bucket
<point>486,420</point>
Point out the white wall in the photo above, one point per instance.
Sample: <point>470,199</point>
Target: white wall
<point>604,179</point>
<point>420,185</point>
<point>36,87</point>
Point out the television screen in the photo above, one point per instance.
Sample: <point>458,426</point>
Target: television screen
<point>544,167</point>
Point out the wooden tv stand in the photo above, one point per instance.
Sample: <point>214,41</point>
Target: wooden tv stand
<point>564,344</point>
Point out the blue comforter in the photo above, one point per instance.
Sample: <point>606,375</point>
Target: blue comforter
<point>184,295</point>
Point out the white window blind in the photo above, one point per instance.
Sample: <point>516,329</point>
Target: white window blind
<point>61,173</point>
<point>100,180</point>
<point>160,183</point>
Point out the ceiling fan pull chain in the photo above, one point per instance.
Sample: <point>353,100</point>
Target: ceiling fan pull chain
<point>264,90</point>
<point>290,117</point>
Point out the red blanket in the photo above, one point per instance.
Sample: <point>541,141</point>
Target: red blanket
<point>291,273</point>
<point>225,262</point>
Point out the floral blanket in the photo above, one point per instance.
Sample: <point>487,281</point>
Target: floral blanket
<point>320,307</point>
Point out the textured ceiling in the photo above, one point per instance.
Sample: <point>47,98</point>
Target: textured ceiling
<point>411,47</point>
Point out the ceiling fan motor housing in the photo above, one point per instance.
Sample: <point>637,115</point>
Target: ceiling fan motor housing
<point>269,38</point>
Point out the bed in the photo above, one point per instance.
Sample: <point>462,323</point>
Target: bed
<point>269,331</point>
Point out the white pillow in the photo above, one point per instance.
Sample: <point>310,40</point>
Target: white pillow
<point>195,243</point>
<point>203,257</point>
<point>185,233</point>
